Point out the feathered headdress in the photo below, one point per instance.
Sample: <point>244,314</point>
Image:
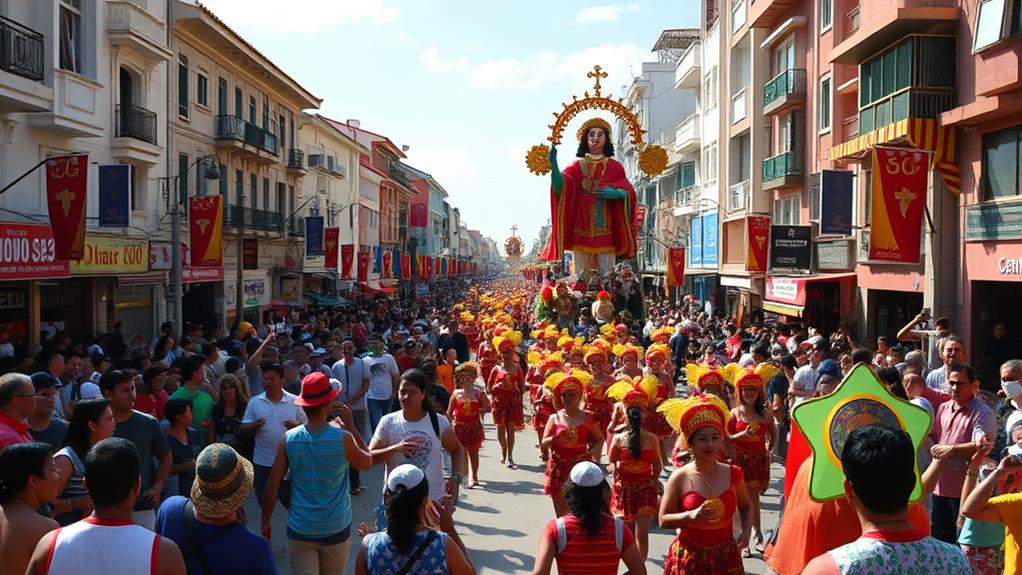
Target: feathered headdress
<point>507,340</point>
<point>621,350</point>
<point>593,350</point>
<point>562,382</point>
<point>658,351</point>
<point>568,343</point>
<point>662,334</point>
<point>467,368</point>
<point>689,414</point>
<point>745,377</point>
<point>637,392</point>
<point>703,376</point>
<point>607,331</point>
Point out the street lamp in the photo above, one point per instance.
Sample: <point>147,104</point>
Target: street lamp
<point>210,172</point>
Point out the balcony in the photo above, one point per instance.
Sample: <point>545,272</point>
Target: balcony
<point>738,107</point>
<point>879,23</point>
<point>21,69</point>
<point>296,161</point>
<point>75,108</point>
<point>686,73</point>
<point>236,134</point>
<point>252,219</point>
<point>769,13</point>
<point>686,200</point>
<point>130,26</point>
<point>296,227</point>
<point>786,91</point>
<point>686,137</point>
<point>850,22</point>
<point>738,197</point>
<point>850,127</point>
<point>136,122</point>
<point>783,171</point>
<point>911,103</point>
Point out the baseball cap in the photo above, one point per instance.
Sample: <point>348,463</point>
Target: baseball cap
<point>586,474</point>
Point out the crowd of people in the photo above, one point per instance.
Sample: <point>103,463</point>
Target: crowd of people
<point>140,456</point>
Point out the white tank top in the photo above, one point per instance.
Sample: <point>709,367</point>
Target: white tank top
<point>103,546</point>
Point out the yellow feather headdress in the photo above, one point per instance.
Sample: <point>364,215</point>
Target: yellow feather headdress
<point>702,376</point>
<point>689,414</point>
<point>637,392</point>
<point>562,382</point>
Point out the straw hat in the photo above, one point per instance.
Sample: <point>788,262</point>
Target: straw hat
<point>223,479</point>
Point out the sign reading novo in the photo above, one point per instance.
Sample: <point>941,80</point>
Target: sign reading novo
<point>27,251</point>
<point>104,255</point>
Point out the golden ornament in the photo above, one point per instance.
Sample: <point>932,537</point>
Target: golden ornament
<point>538,159</point>
<point>716,507</point>
<point>653,160</point>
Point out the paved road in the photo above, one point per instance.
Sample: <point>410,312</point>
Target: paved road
<point>501,521</point>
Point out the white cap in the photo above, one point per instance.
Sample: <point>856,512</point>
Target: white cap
<point>586,474</point>
<point>1014,420</point>
<point>405,475</point>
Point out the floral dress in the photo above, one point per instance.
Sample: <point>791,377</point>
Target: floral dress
<point>751,453</point>
<point>708,548</point>
<point>382,558</point>
<point>468,424</point>
<point>567,449</point>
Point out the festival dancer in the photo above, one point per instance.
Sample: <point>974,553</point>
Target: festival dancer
<point>752,432</point>
<point>657,358</point>
<point>466,411</point>
<point>486,356</point>
<point>706,381</point>
<point>541,367</point>
<point>571,435</point>
<point>505,386</point>
<point>635,455</point>
<point>628,356</point>
<point>702,496</point>
<point>596,401</point>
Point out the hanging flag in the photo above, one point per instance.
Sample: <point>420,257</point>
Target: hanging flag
<point>898,200</point>
<point>406,266</point>
<point>759,241</point>
<point>114,194</point>
<point>363,266</point>
<point>675,268</point>
<point>443,266</point>
<point>377,259</point>
<point>66,183</point>
<point>436,266</point>
<point>429,268</point>
<point>330,239</point>
<point>387,267</point>
<point>205,229</point>
<point>395,260</point>
<point>314,235</point>
<point>347,258</point>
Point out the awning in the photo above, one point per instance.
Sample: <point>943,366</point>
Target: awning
<point>376,287</point>
<point>920,133</point>
<point>783,308</point>
<point>286,303</point>
<point>790,292</point>
<point>151,278</point>
<point>326,300</point>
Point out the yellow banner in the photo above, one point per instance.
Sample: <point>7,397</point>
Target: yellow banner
<point>105,255</point>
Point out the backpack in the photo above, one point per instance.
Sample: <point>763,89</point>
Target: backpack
<point>562,534</point>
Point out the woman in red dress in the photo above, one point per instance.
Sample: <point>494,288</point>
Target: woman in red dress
<point>595,400</point>
<point>465,411</point>
<point>702,496</point>
<point>635,455</point>
<point>571,434</point>
<point>542,366</point>
<point>628,358</point>
<point>657,357</point>
<point>704,379</point>
<point>487,357</point>
<point>505,386</point>
<point>752,432</point>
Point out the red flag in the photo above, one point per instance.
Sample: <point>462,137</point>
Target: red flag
<point>66,183</point>
<point>347,258</point>
<point>436,266</point>
<point>759,239</point>
<point>205,229</point>
<point>899,197</point>
<point>363,266</point>
<point>406,266</point>
<point>675,268</point>
<point>330,239</point>
<point>387,270</point>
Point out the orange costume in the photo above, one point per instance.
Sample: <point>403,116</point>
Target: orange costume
<point>506,387</point>
<point>468,423</point>
<point>750,450</point>
<point>636,490</point>
<point>569,446</point>
<point>655,423</point>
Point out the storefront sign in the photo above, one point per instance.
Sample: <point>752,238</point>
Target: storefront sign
<point>104,255</point>
<point>249,254</point>
<point>993,222</point>
<point>836,203</point>
<point>835,256</point>
<point>786,290</point>
<point>13,298</point>
<point>28,252</point>
<point>759,236</point>
<point>1009,266</point>
<point>899,196</point>
<point>695,242</point>
<point>791,248</point>
<point>257,292</point>
<point>190,275</point>
<point>710,243</point>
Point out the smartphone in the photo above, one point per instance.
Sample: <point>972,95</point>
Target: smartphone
<point>925,313</point>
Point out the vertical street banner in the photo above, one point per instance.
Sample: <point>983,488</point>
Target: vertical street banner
<point>114,195</point>
<point>66,183</point>
<point>695,242</point>
<point>443,266</point>
<point>395,260</point>
<point>377,259</point>
<point>454,266</point>
<point>710,243</point>
<point>205,230</point>
<point>314,235</point>
<point>836,203</point>
<point>347,258</point>
<point>406,266</point>
<point>899,198</point>
<point>759,239</point>
<point>387,268</point>
<point>363,266</point>
<point>436,266</point>
<point>249,254</point>
<point>330,238</point>
<point>675,268</point>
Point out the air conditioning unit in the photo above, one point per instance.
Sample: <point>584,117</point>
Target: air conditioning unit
<point>315,160</point>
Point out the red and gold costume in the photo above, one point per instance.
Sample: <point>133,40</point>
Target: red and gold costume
<point>570,445</point>
<point>506,387</point>
<point>542,403</point>
<point>468,423</point>
<point>595,401</point>
<point>655,423</point>
<point>621,351</point>
<point>636,489</point>
<point>751,450</point>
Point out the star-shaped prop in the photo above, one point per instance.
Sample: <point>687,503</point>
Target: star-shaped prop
<point>859,400</point>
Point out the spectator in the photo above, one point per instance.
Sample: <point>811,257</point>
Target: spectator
<point>952,352</point>
<point>150,398</point>
<point>28,480</point>
<point>267,417</point>
<point>353,373</point>
<point>92,423</point>
<point>982,541</point>
<point>777,398</point>
<point>44,425</point>
<point>383,385</point>
<point>1007,508</point>
<point>445,369</point>
<point>108,542</point>
<point>195,391</point>
<point>227,415</point>
<point>185,444</point>
<point>209,526</point>
<point>879,467</point>
<point>150,443</point>
<point>17,403</point>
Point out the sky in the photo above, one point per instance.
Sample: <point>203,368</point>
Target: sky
<point>469,86</point>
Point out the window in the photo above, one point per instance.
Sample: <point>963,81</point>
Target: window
<point>182,86</point>
<point>266,112</point>
<point>182,178</point>
<point>280,134</point>
<point>253,185</point>
<point>266,194</point>
<point>221,96</point>
<point>282,200</point>
<point>826,8</point>
<point>291,204</point>
<point>710,84</point>
<point>238,98</point>
<point>824,105</point>
<point>223,182</point>
<point>686,175</point>
<point>71,35</point>
<point>990,27</point>
<point>201,89</point>
<point>251,110</point>
<point>1001,164</point>
<point>787,210</point>
<point>709,162</point>
<point>239,188</point>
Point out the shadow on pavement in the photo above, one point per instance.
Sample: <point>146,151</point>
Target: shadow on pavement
<point>501,561</point>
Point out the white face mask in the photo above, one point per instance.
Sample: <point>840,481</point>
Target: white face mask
<point>1012,388</point>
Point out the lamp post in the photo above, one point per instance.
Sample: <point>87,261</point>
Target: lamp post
<point>176,284</point>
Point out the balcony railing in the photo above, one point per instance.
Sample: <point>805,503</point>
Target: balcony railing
<point>234,128</point>
<point>786,164</point>
<point>296,159</point>
<point>687,134</point>
<point>738,196</point>
<point>252,219</point>
<point>788,82</point>
<point>686,197</point>
<point>738,107</point>
<point>260,138</point>
<point>125,16</point>
<point>686,73</point>
<point>296,227</point>
<point>136,122</point>
<point>850,126</point>
<point>21,50</point>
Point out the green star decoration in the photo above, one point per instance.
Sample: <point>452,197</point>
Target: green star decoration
<point>859,400</point>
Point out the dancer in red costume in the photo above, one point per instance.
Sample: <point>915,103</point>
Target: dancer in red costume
<point>702,496</point>
<point>628,358</point>
<point>466,411</point>
<point>542,366</point>
<point>657,357</point>
<point>595,400</point>
<point>571,434</point>
<point>635,455</point>
<point>506,386</point>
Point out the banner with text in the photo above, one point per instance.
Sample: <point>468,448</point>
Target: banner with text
<point>106,255</point>
<point>791,249</point>
<point>27,252</point>
<point>406,266</point>
<point>363,266</point>
<point>675,268</point>
<point>66,184</point>
<point>836,203</point>
<point>205,226</point>
<point>899,197</point>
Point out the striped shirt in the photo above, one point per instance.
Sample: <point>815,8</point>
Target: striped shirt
<point>585,554</point>
<point>320,499</point>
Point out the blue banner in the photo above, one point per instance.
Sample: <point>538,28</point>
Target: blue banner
<point>695,242</point>
<point>836,203</point>
<point>114,195</point>
<point>314,235</point>
<point>710,243</point>
<point>443,266</point>
<point>378,262</point>
<point>395,262</point>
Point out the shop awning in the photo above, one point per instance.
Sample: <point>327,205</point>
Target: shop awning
<point>286,303</point>
<point>787,295</point>
<point>920,133</point>
<point>326,300</point>
<point>783,308</point>
<point>375,286</point>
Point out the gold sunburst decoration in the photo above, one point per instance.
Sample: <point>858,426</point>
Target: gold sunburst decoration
<point>652,159</point>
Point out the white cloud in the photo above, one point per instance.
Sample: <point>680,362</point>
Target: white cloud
<point>301,15</point>
<point>633,7</point>
<point>593,14</point>
<point>431,59</point>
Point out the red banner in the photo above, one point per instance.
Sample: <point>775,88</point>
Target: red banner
<point>330,239</point>
<point>759,241</point>
<point>347,258</point>
<point>66,183</point>
<point>675,268</point>
<point>640,216</point>
<point>363,266</point>
<point>899,197</point>
<point>205,229</point>
<point>27,252</point>
<point>406,266</point>
<point>388,263</point>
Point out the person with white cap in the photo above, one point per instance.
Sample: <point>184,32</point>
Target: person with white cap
<point>208,527</point>
<point>587,540</point>
<point>317,454</point>
<point>409,542</point>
